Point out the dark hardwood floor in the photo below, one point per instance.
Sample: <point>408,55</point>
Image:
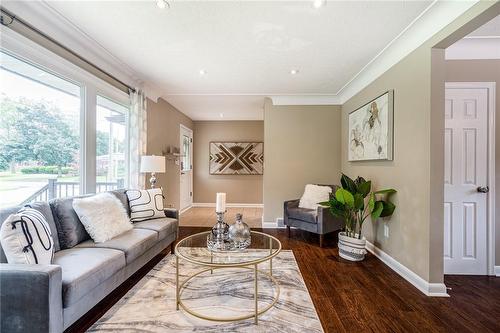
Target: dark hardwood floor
<point>366,296</point>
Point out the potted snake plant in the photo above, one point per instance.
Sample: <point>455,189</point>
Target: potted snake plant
<point>354,202</point>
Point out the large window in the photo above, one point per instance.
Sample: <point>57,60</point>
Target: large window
<point>111,144</point>
<point>39,133</point>
<point>50,113</point>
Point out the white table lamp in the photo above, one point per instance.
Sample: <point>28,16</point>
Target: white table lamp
<point>153,164</point>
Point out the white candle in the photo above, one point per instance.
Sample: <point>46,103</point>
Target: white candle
<point>220,206</point>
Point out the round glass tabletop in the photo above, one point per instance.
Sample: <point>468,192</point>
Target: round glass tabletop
<point>194,249</point>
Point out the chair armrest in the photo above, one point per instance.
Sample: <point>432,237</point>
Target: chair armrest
<point>327,222</point>
<point>172,213</point>
<point>291,203</point>
<point>31,298</point>
<point>287,205</point>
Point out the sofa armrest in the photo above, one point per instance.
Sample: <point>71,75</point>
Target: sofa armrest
<point>172,213</point>
<point>327,222</point>
<point>31,298</point>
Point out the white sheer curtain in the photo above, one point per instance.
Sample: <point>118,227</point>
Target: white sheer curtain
<point>138,138</point>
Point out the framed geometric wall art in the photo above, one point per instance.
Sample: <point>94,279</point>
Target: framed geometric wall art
<point>236,158</point>
<point>371,130</point>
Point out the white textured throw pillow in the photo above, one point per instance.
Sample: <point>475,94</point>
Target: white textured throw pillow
<point>145,204</point>
<point>103,216</point>
<point>313,194</point>
<point>26,238</point>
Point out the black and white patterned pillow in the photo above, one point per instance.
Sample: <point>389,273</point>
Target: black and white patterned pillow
<point>145,204</point>
<point>26,238</point>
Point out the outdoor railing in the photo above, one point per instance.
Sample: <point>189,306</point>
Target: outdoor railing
<point>55,189</point>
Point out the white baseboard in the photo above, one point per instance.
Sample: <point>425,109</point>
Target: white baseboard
<point>497,271</point>
<point>229,205</point>
<point>185,209</point>
<point>429,289</point>
<point>273,224</point>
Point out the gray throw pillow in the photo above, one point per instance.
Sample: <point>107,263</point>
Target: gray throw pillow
<point>44,209</point>
<point>70,230</point>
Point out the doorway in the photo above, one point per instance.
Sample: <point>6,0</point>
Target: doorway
<point>186,168</point>
<point>469,181</point>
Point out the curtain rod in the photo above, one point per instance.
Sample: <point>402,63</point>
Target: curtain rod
<point>9,20</point>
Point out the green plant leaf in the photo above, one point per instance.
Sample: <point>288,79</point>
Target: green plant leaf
<point>386,191</point>
<point>359,201</point>
<point>364,188</point>
<point>359,180</point>
<point>389,208</point>
<point>325,203</point>
<point>379,206</point>
<point>371,203</point>
<point>348,184</point>
<point>345,197</point>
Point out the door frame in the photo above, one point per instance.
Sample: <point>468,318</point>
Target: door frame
<point>490,211</point>
<point>185,128</point>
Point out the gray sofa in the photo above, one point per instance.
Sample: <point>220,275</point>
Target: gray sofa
<point>318,221</point>
<point>49,298</point>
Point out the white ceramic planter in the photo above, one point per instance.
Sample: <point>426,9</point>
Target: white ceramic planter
<point>352,249</point>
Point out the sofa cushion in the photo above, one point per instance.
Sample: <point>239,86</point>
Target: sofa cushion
<point>145,204</point>
<point>303,214</point>
<point>4,214</point>
<point>163,227</point>
<point>44,208</point>
<point>69,228</point>
<point>103,216</point>
<point>134,243</point>
<point>122,196</point>
<point>26,238</point>
<point>83,269</point>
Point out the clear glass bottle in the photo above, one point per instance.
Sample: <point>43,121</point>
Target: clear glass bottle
<point>239,233</point>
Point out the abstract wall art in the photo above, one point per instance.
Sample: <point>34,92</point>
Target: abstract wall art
<point>236,158</point>
<point>371,130</point>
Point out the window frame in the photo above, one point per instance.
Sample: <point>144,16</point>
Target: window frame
<point>127,134</point>
<point>91,86</point>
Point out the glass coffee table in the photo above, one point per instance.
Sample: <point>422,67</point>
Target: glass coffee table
<point>263,249</point>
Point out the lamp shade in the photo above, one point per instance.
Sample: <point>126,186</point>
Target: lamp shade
<point>152,163</point>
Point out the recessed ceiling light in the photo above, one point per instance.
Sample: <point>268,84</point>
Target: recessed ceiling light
<point>203,72</point>
<point>294,71</point>
<point>162,4</point>
<point>318,3</point>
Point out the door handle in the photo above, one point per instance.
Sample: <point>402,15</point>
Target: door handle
<point>483,189</point>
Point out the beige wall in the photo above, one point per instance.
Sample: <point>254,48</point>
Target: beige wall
<point>409,173</point>
<point>483,71</point>
<point>164,130</point>
<point>302,146</point>
<point>239,188</point>
<point>416,229</point>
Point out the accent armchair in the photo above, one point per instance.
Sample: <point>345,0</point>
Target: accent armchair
<point>319,221</point>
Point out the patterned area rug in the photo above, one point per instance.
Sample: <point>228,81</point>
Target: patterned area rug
<point>150,305</point>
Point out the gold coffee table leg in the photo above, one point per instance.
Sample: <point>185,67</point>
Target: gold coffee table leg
<point>256,295</point>
<point>177,282</point>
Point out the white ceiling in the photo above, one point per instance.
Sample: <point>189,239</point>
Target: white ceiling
<point>489,29</point>
<point>247,48</point>
<point>483,43</point>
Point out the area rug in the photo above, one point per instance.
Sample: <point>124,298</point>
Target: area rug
<point>150,305</point>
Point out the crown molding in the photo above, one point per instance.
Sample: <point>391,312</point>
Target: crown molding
<point>51,22</point>
<point>434,18</point>
<point>305,100</point>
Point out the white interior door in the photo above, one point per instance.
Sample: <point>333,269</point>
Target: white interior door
<point>466,181</point>
<point>186,167</point>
